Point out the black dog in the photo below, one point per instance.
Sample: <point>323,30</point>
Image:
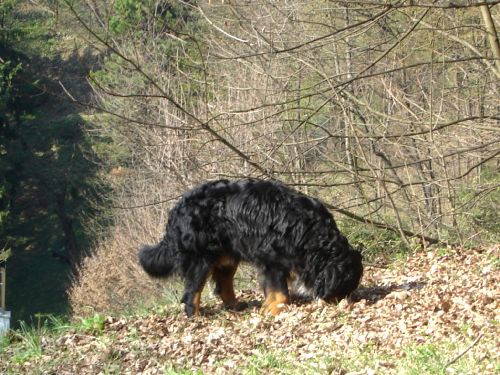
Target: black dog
<point>284,233</point>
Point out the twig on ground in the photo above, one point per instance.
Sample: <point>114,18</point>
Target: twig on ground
<point>460,355</point>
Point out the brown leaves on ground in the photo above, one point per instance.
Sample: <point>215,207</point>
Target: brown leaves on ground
<point>431,297</point>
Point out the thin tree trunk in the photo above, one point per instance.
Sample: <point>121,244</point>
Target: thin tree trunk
<point>492,34</point>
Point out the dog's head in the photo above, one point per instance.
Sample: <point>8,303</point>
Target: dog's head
<point>340,276</point>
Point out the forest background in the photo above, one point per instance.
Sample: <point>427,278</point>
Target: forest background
<point>387,111</point>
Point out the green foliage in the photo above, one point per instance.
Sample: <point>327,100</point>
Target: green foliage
<point>26,341</point>
<point>139,16</point>
<point>265,361</point>
<point>55,323</point>
<point>434,359</point>
<point>28,28</point>
<point>129,14</point>
<point>174,370</point>
<point>93,324</point>
<point>483,213</point>
<point>4,254</point>
<point>29,342</point>
<point>8,71</point>
<point>424,359</point>
<point>5,341</point>
<point>429,358</point>
<point>47,182</point>
<point>373,242</point>
<point>163,33</point>
<point>7,6</point>
<point>477,211</point>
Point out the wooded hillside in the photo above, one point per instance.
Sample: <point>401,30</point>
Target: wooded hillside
<point>387,111</point>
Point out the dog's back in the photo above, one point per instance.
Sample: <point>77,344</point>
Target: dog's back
<point>253,220</point>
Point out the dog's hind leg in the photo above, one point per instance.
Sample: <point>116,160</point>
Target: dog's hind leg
<point>223,276</point>
<point>276,290</point>
<point>195,279</point>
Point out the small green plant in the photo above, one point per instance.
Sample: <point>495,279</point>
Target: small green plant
<point>29,342</point>
<point>424,359</point>
<point>265,361</point>
<point>443,251</point>
<point>434,358</point>
<point>112,362</point>
<point>4,342</point>
<point>362,357</point>
<point>172,370</point>
<point>52,323</point>
<point>151,306</point>
<point>93,324</point>
<point>173,294</point>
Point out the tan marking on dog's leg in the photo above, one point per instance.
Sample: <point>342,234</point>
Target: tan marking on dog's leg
<point>224,280</point>
<point>223,275</point>
<point>197,297</point>
<point>197,302</point>
<point>227,291</point>
<point>275,302</point>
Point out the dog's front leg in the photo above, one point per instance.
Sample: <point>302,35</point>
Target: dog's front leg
<point>275,290</point>
<point>194,281</point>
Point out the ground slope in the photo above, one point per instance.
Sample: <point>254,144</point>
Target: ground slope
<point>434,312</point>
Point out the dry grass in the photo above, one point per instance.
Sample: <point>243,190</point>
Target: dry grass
<point>110,279</point>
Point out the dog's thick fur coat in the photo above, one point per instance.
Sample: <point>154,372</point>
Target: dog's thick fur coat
<point>282,232</point>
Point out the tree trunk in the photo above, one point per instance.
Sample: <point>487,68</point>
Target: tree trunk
<point>492,34</point>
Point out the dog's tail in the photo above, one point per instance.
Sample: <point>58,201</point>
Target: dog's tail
<point>158,261</point>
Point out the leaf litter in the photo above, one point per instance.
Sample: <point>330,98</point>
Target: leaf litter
<point>430,297</point>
